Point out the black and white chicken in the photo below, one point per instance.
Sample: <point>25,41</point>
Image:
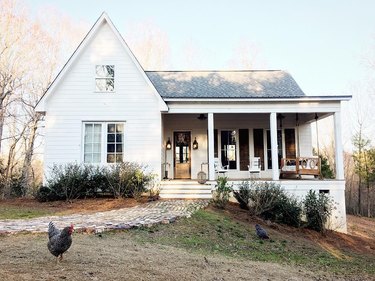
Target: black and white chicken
<point>59,240</point>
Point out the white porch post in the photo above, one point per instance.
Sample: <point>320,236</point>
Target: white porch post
<point>338,147</point>
<point>275,158</point>
<point>211,168</point>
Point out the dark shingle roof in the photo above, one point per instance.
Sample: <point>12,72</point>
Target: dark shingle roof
<point>225,84</point>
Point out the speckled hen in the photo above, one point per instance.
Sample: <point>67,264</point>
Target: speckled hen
<point>59,240</point>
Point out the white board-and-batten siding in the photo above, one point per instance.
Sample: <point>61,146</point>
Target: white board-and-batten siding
<point>75,101</point>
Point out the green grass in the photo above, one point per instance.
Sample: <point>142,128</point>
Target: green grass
<point>213,232</point>
<point>7,212</point>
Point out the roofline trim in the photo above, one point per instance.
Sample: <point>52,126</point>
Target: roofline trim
<point>302,98</point>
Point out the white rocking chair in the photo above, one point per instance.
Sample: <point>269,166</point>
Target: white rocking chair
<point>220,169</point>
<point>254,167</point>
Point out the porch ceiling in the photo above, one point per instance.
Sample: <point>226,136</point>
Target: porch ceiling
<point>289,119</point>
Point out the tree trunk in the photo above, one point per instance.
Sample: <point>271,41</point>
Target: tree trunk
<point>368,200</point>
<point>26,167</point>
<point>8,172</point>
<point>1,123</point>
<point>359,196</point>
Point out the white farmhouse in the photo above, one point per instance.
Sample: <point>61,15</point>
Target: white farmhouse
<point>103,107</point>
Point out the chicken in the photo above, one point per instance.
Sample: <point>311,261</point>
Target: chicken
<point>59,241</point>
<point>262,234</point>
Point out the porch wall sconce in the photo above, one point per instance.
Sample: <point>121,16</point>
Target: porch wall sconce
<point>195,144</point>
<point>168,145</point>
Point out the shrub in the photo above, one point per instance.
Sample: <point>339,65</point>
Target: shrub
<point>70,181</point>
<point>127,179</point>
<point>326,169</point>
<point>243,195</point>
<point>269,201</point>
<point>318,208</point>
<point>222,193</point>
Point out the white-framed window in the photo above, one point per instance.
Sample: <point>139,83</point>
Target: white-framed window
<point>228,148</point>
<point>103,142</point>
<point>104,78</point>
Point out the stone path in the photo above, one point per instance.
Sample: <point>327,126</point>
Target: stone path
<point>143,215</point>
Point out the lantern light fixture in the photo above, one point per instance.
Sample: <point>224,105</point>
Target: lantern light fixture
<point>195,144</point>
<point>168,145</point>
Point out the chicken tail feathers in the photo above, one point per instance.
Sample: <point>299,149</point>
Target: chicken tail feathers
<point>52,230</point>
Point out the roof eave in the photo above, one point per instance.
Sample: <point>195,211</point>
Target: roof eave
<point>262,99</point>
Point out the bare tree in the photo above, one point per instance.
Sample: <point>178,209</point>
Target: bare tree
<point>31,51</point>
<point>149,44</point>
<point>246,55</point>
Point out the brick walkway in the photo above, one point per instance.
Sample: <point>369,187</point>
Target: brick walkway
<point>144,215</point>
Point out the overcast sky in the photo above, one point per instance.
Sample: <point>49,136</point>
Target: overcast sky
<point>321,43</point>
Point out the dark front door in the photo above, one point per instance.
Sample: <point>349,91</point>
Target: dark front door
<point>182,161</point>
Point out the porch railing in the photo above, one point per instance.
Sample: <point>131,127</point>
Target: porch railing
<point>300,166</point>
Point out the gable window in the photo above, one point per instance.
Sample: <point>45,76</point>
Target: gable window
<point>103,142</point>
<point>104,78</point>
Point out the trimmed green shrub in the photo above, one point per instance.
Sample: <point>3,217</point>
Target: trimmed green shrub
<point>222,193</point>
<point>269,201</point>
<point>317,208</point>
<point>243,195</point>
<point>71,181</point>
<point>127,179</point>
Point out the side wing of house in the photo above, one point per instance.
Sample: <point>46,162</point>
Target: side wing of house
<point>103,110</point>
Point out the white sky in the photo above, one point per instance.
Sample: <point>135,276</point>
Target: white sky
<point>322,44</point>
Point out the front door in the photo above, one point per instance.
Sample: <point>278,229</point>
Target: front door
<point>182,155</point>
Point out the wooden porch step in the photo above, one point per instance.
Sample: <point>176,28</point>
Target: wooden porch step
<point>190,187</point>
<point>185,189</point>
<point>185,196</point>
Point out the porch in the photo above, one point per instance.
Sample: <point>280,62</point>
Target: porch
<point>282,142</point>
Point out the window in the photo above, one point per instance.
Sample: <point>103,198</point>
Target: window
<point>103,142</point>
<point>288,141</point>
<point>114,142</point>
<point>105,78</point>
<point>279,148</point>
<point>259,145</point>
<point>228,149</point>
<point>92,147</point>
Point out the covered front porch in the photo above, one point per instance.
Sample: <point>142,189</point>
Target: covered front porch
<point>194,142</point>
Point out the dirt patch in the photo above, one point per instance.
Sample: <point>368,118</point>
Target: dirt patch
<point>76,206</point>
<point>118,257</point>
<point>361,226</point>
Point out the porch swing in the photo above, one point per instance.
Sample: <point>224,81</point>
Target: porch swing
<point>302,165</point>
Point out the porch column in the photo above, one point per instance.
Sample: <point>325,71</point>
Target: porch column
<point>211,168</point>
<point>339,161</point>
<point>275,158</point>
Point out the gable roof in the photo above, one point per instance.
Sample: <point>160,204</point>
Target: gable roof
<point>225,84</point>
<point>40,106</point>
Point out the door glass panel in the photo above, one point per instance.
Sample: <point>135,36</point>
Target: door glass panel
<point>182,149</point>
